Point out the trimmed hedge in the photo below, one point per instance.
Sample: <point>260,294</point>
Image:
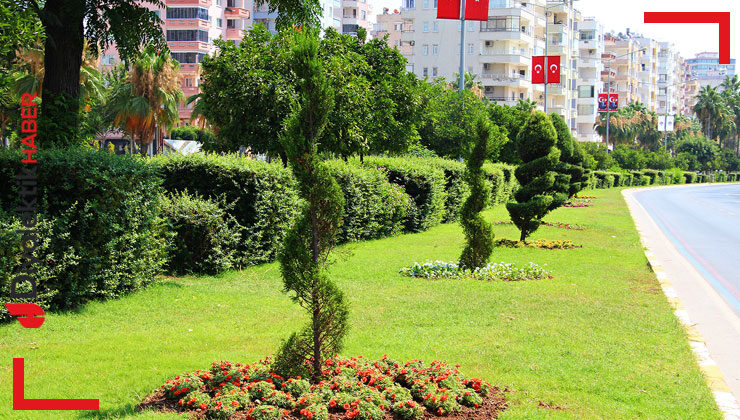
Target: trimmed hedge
<point>373,207</point>
<point>99,225</point>
<point>425,185</point>
<point>262,195</point>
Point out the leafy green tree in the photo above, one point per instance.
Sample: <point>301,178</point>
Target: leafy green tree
<point>449,119</point>
<point>536,147</point>
<point>308,244</point>
<point>478,232</point>
<point>602,159</point>
<point>469,81</point>
<point>510,119</point>
<point>704,150</point>
<point>628,158</point>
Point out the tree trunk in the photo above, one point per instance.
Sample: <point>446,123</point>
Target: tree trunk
<point>523,236</point>
<point>284,158</point>
<point>58,120</point>
<point>362,157</point>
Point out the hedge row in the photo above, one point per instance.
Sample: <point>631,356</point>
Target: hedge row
<point>100,230</point>
<point>602,179</point>
<point>108,222</point>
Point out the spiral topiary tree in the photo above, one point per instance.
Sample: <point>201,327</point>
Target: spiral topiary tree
<point>308,244</point>
<point>536,148</point>
<point>478,232</point>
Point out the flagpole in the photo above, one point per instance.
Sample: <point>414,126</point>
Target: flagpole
<point>462,45</point>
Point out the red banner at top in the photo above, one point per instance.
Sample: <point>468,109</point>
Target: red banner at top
<point>538,69</point>
<point>553,69</point>
<point>474,9</point>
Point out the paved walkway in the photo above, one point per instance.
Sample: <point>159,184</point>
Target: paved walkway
<point>692,237</point>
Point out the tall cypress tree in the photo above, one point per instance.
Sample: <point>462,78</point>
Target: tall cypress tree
<point>536,148</point>
<point>566,173</point>
<point>308,244</point>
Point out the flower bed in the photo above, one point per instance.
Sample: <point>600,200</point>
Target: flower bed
<point>492,271</point>
<point>589,197</point>
<point>558,225</point>
<point>352,388</point>
<point>578,204</point>
<point>539,243</point>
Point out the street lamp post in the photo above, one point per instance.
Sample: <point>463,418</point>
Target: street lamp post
<point>462,46</point>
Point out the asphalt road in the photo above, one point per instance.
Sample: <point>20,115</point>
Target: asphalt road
<point>703,223</point>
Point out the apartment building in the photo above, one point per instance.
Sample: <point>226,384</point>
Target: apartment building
<point>647,71</point>
<point>620,68</point>
<point>392,24</point>
<point>590,69</point>
<point>563,40</point>
<point>356,14</point>
<point>705,67</point>
<point>670,81</point>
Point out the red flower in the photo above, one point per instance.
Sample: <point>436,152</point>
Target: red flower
<point>203,406</point>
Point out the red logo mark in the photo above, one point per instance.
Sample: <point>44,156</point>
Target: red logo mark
<point>21,403</point>
<point>30,315</point>
<point>723,18</point>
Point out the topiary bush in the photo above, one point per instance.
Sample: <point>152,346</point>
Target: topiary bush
<point>455,186</point>
<point>478,232</point>
<point>425,185</point>
<point>536,148</point>
<point>205,237</point>
<point>562,186</point>
<point>99,225</point>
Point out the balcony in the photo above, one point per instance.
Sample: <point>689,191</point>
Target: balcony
<point>236,13</point>
<point>189,46</point>
<point>187,24</point>
<point>505,56</point>
<point>205,3</point>
<point>557,49</point>
<point>555,28</point>
<point>502,34</point>
<point>555,89</point>
<point>608,56</point>
<point>499,79</point>
<point>234,34</point>
<point>502,100</point>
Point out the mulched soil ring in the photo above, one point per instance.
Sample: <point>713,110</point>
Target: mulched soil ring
<point>491,408</point>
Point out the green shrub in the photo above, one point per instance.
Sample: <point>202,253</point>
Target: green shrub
<point>689,177</point>
<point>423,183</point>
<point>262,196</point>
<point>99,224</point>
<point>205,236</point>
<point>720,177</point>
<point>455,185</point>
<point>675,175</point>
<point>604,179</point>
<point>374,208</point>
<point>503,181</point>
<point>536,149</point>
<point>653,175</point>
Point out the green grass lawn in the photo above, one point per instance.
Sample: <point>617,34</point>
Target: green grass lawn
<point>598,339</point>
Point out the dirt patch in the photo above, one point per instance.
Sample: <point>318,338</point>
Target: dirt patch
<point>550,406</point>
<point>491,408</point>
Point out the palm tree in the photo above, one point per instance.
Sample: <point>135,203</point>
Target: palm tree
<point>708,108</point>
<point>148,98</point>
<point>731,95</point>
<point>526,105</point>
<point>469,81</point>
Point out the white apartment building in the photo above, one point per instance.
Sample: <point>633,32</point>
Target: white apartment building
<point>590,70</point>
<point>356,14</point>
<point>647,71</point>
<point>670,80</point>
<point>499,51</point>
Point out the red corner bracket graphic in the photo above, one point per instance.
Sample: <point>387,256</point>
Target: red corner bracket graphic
<point>21,403</point>
<point>722,18</point>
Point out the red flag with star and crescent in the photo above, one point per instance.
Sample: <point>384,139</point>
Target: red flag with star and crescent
<point>538,69</point>
<point>474,9</point>
<point>553,69</point>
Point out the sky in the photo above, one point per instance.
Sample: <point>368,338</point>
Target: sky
<point>617,15</point>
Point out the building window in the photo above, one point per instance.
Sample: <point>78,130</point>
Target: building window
<point>187,35</point>
<point>425,72</point>
<point>470,48</point>
<point>471,26</point>
<point>435,4</point>
<point>585,91</point>
<point>435,26</point>
<point>426,4</point>
<point>219,22</point>
<point>425,49</point>
<point>362,14</point>
<point>188,57</point>
<point>187,13</point>
<point>434,71</point>
<point>435,49</point>
<point>218,2</point>
<point>426,26</point>
<point>410,4</point>
<point>500,24</point>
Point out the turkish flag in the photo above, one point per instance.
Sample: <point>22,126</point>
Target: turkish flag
<point>553,69</point>
<point>614,102</point>
<point>448,9</point>
<point>538,69</point>
<point>474,9</point>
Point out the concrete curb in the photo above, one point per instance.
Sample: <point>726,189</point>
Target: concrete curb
<point>715,380</point>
